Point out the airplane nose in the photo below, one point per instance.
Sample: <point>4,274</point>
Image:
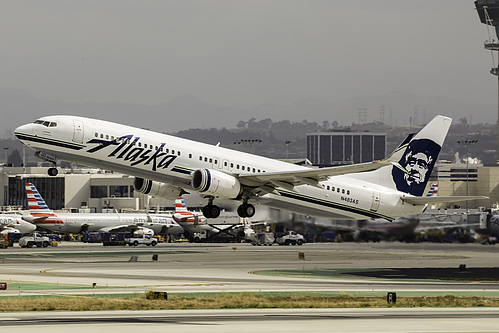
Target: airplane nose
<point>26,129</point>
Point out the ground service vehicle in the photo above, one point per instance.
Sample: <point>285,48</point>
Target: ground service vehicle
<point>290,237</point>
<point>141,239</point>
<point>34,239</point>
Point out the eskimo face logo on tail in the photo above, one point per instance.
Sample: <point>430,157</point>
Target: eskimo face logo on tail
<point>418,161</point>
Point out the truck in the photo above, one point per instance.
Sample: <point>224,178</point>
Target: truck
<point>35,239</point>
<point>141,239</point>
<point>263,239</point>
<point>290,237</point>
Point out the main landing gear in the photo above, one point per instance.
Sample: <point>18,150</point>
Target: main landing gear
<point>212,211</point>
<point>246,210</point>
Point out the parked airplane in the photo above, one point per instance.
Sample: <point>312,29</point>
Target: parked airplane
<point>68,223</point>
<point>12,223</point>
<point>166,166</point>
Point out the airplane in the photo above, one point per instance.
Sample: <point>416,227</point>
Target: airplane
<point>13,223</point>
<point>68,223</point>
<point>198,227</point>
<point>166,166</point>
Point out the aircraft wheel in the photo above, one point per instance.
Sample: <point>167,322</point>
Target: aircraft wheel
<point>246,210</point>
<point>211,211</point>
<point>53,172</point>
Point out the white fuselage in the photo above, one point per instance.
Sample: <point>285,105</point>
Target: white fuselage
<point>76,222</point>
<point>15,222</point>
<point>164,158</point>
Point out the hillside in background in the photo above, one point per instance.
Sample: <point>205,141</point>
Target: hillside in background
<point>186,111</point>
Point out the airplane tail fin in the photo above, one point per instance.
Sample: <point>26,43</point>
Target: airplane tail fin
<point>432,192</point>
<point>180,205</point>
<point>36,204</point>
<point>413,160</point>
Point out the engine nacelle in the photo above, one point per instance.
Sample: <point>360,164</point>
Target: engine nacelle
<point>216,183</point>
<point>157,189</point>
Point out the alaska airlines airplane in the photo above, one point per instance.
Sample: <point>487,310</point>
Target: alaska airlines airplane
<point>42,215</point>
<point>166,166</point>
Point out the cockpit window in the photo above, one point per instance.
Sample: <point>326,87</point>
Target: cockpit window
<point>45,123</point>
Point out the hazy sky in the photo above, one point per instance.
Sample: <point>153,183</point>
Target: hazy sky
<point>243,53</point>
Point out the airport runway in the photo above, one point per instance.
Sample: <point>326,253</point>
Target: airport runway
<point>268,320</point>
<point>73,268</point>
<point>76,267</point>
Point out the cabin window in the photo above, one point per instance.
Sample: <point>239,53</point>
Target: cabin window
<point>242,167</point>
<point>232,165</point>
<point>206,159</point>
<point>332,188</point>
<point>343,191</point>
<point>254,170</point>
<point>211,160</point>
<point>237,166</point>
<point>348,192</point>
<point>338,190</point>
<point>96,134</point>
<point>225,163</point>
<point>216,161</point>
<point>52,124</point>
<point>178,153</point>
<point>190,155</point>
<point>327,187</point>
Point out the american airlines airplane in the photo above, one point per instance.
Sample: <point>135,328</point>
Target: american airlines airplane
<point>68,223</point>
<point>166,166</point>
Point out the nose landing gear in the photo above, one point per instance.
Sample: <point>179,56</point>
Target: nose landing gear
<point>53,171</point>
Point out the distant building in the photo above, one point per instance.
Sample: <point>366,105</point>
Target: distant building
<point>334,148</point>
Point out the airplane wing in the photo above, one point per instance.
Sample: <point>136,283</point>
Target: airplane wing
<point>119,227</point>
<point>430,200</point>
<point>268,182</point>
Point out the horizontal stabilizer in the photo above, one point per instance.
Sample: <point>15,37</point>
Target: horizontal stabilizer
<point>432,200</point>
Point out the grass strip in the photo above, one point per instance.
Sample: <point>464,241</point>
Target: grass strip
<point>232,301</point>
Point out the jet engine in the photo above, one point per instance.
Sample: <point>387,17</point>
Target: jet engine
<point>157,189</point>
<point>216,183</point>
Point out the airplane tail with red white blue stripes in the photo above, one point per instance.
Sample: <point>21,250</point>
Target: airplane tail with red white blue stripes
<point>37,206</point>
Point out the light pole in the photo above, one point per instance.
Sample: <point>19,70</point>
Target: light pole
<point>287,142</point>
<point>249,141</point>
<point>467,142</point>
